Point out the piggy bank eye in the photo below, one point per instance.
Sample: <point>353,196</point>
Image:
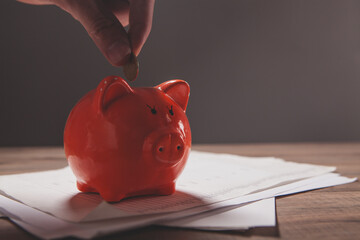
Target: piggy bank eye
<point>171,111</point>
<point>152,109</point>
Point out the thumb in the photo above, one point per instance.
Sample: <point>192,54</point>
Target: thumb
<point>103,27</point>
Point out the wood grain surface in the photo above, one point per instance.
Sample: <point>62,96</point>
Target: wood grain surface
<point>331,213</point>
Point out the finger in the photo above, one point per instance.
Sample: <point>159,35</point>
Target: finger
<point>36,2</point>
<point>120,8</point>
<point>103,27</point>
<point>140,22</point>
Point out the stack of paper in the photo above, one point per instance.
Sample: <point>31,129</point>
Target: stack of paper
<point>215,192</point>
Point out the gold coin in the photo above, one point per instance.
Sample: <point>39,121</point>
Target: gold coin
<point>131,68</point>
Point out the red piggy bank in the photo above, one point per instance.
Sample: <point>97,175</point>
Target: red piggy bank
<point>122,141</point>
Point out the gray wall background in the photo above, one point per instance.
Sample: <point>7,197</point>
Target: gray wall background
<point>259,71</point>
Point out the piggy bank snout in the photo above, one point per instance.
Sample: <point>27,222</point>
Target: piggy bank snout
<point>169,148</point>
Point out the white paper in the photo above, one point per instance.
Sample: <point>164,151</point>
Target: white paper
<point>261,213</point>
<point>228,218</point>
<point>207,179</point>
<point>46,226</point>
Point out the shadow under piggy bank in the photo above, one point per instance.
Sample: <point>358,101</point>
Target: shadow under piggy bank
<point>92,207</point>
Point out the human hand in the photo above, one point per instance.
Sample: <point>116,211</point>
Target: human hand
<point>104,20</point>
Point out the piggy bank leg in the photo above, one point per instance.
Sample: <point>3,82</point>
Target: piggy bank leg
<point>167,189</point>
<point>111,196</point>
<point>83,187</point>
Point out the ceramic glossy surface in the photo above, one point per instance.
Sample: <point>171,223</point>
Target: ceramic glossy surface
<point>122,141</point>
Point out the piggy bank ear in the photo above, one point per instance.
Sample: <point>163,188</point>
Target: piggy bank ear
<point>178,90</point>
<point>110,89</point>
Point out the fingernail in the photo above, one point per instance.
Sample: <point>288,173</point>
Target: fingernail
<point>118,53</point>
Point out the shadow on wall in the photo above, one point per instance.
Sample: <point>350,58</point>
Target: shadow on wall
<point>259,71</point>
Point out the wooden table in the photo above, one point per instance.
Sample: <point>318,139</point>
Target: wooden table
<point>331,213</point>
